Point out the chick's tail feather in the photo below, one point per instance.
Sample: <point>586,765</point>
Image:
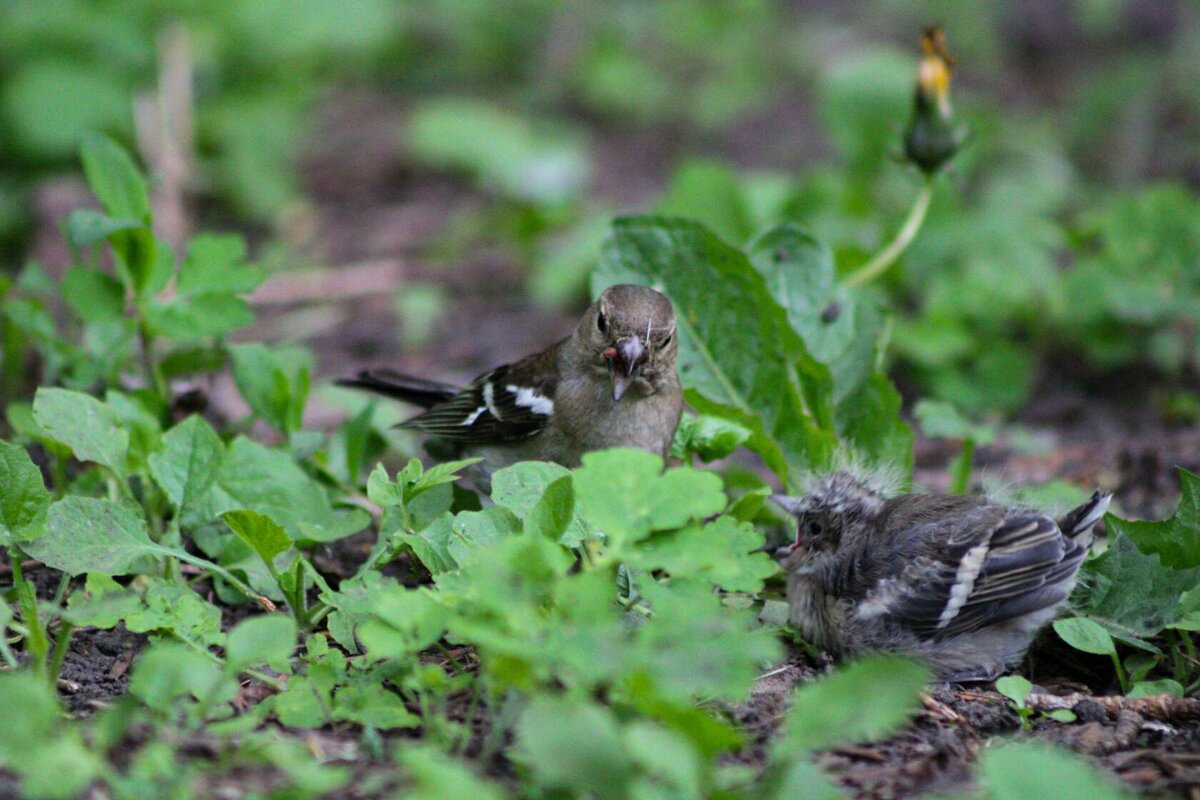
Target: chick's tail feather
<point>1080,520</point>
<point>418,391</point>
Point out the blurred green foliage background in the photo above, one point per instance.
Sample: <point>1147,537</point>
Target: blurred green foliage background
<point>1064,244</point>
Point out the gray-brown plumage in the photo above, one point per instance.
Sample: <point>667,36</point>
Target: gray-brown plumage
<point>611,383</point>
<point>962,582</point>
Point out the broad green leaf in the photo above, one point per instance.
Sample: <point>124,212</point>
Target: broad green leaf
<point>1086,635</point>
<point>711,193</point>
<point>436,775</point>
<point>274,382</point>
<point>215,264</point>
<point>869,420</point>
<point>839,327</point>
<point>92,295</point>
<point>865,700</point>
<point>1020,771</point>
<point>738,355</point>
<point>573,745</point>
<point>266,536</point>
<point>270,482</point>
<point>519,487</point>
<point>303,704</point>
<point>1015,688</point>
<point>171,670</point>
<point>37,742</point>
<point>668,756</point>
<point>725,552</point>
<point>404,622</point>
<point>187,319</point>
<point>554,513</point>
<point>86,227</point>
<point>370,704</point>
<point>1176,540</point>
<point>187,465</point>
<point>381,490</point>
<point>167,607</point>
<point>23,496</point>
<point>711,438</point>
<point>88,534</point>
<point>626,494</point>
<point>264,639</point>
<point>1131,589</point>
<point>101,602</point>
<point>115,179</point>
<point>91,429</point>
<point>1155,688</point>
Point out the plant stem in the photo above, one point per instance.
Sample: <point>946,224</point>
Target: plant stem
<point>61,641</point>
<point>217,569</point>
<point>36,644</point>
<point>896,247</point>
<point>153,374</point>
<point>1121,677</point>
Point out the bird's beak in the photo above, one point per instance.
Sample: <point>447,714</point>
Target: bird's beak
<point>624,362</point>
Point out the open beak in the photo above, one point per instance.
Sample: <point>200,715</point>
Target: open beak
<point>624,361</point>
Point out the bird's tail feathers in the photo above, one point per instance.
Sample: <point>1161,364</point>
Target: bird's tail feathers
<point>418,391</point>
<point>1080,520</point>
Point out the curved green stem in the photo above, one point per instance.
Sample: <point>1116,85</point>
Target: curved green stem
<point>216,569</point>
<point>896,247</point>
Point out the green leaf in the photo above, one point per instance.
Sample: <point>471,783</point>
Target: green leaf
<point>274,382</point>
<point>37,743</point>
<point>554,513</point>
<point>168,608</point>
<point>435,775</point>
<point>86,227</point>
<point>942,420</point>
<point>188,464</point>
<point>573,745</point>
<point>1019,771</point>
<point>215,264</point>
<point>710,193</point>
<point>1176,540</point>
<point>839,327</point>
<point>169,671</point>
<point>1163,686</point>
<point>115,179</point>
<point>265,639</point>
<point>1086,635</point>
<point>520,487</point>
<point>187,319</point>
<point>711,438</point>
<point>724,552</point>
<point>1015,688</point>
<point>869,420</point>
<point>23,496</point>
<point>264,535</point>
<point>92,295</point>
<point>626,494</point>
<point>404,622</point>
<point>88,534</point>
<point>1125,587</point>
<point>91,429</point>
<point>272,483</point>
<point>865,700</point>
<point>374,706</point>
<point>738,355</point>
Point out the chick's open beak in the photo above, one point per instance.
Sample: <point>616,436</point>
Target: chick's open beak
<point>624,361</point>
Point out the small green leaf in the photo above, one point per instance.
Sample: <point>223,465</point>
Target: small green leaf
<point>1155,688</point>
<point>573,745</point>
<point>215,264</point>
<point>1020,771</point>
<point>865,700</point>
<point>1176,540</point>
<point>91,429</point>
<point>626,494</point>
<point>187,465</point>
<point>374,706</point>
<point>942,420</point>
<point>86,227</point>
<point>1086,635</point>
<point>265,639</point>
<point>23,496</point>
<point>554,512</point>
<point>1061,715</point>
<point>171,670</point>
<point>711,438</point>
<point>274,382</point>
<point>88,534</point>
<point>435,775</point>
<point>115,179</point>
<point>93,295</point>
<point>37,742</point>
<point>266,536</point>
<point>1015,688</point>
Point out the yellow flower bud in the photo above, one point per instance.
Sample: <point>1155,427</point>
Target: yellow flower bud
<point>932,139</point>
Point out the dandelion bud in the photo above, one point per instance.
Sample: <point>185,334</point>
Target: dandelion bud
<point>932,139</point>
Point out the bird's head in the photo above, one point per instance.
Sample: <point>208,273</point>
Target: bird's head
<point>835,506</point>
<point>630,333</point>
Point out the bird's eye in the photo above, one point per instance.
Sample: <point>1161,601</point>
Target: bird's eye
<point>601,322</point>
<point>668,339</point>
<point>813,528</point>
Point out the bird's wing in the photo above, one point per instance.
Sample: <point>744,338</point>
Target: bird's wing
<point>980,577</point>
<point>511,402</point>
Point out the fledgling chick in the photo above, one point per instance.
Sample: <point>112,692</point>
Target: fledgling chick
<point>961,582</point>
<point>611,383</point>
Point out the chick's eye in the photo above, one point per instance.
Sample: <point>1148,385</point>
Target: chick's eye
<point>813,528</point>
<point>668,338</point>
<point>601,322</point>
